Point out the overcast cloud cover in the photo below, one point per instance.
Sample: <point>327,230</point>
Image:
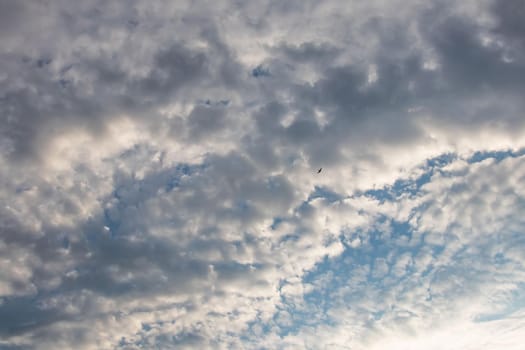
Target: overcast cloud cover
<point>159,185</point>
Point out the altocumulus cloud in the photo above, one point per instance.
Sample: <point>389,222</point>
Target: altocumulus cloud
<point>159,185</point>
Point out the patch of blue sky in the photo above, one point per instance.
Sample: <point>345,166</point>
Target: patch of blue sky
<point>387,233</point>
<point>497,155</point>
<point>318,302</point>
<point>181,170</point>
<point>401,229</point>
<point>260,71</point>
<point>276,222</point>
<point>440,161</point>
<point>297,315</point>
<point>333,274</point>
<point>411,186</point>
<point>325,193</point>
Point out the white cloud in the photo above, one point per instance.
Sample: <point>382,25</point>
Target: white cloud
<point>155,192</point>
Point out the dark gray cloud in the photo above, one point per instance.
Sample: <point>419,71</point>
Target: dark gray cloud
<point>43,96</point>
<point>307,52</point>
<point>508,15</point>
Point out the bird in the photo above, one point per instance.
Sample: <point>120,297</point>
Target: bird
<point>318,171</point>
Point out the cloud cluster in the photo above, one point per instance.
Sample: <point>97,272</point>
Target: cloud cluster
<point>433,264</point>
<point>159,186</point>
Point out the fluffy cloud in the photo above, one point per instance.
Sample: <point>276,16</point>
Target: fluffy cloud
<point>450,268</point>
<point>159,183</point>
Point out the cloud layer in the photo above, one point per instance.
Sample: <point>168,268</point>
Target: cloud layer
<point>159,184</point>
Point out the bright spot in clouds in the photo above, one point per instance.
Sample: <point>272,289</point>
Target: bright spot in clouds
<point>159,184</point>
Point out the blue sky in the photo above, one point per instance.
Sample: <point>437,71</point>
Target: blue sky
<point>159,182</point>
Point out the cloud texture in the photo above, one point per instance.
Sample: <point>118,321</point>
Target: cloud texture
<point>159,186</point>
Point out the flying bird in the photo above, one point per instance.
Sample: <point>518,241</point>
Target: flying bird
<point>318,171</point>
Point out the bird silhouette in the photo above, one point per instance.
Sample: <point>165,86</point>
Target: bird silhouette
<point>318,171</point>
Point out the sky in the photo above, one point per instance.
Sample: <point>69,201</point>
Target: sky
<point>159,184</point>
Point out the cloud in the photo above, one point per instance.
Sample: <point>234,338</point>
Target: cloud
<point>159,185</point>
<point>387,293</point>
